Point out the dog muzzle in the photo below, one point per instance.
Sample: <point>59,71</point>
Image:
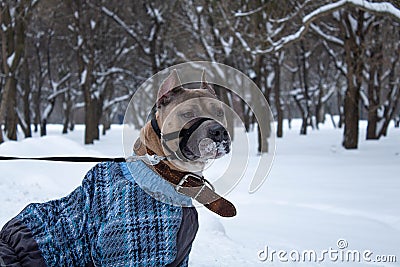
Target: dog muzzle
<point>215,144</point>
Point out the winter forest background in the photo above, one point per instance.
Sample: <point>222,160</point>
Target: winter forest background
<point>80,61</point>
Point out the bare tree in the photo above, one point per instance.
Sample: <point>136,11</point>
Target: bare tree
<point>13,19</point>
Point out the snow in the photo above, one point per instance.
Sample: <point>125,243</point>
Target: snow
<point>80,40</point>
<point>158,15</point>
<point>83,77</point>
<point>10,59</point>
<point>327,37</point>
<point>364,98</point>
<point>118,20</point>
<point>47,111</point>
<point>92,24</point>
<point>270,79</point>
<point>243,14</point>
<point>383,8</point>
<point>326,97</point>
<point>316,194</point>
<point>373,7</point>
<point>227,45</point>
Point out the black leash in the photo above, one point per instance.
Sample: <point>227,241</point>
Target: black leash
<point>66,159</point>
<point>184,134</point>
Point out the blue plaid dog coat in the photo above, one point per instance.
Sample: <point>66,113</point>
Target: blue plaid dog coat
<point>108,221</point>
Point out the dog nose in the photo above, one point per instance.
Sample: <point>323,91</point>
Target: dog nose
<point>218,133</point>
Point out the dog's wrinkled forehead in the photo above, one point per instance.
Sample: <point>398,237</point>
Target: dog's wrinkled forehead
<point>171,90</point>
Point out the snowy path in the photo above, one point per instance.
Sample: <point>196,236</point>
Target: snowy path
<point>316,194</point>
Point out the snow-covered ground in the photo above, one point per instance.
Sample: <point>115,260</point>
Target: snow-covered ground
<point>316,194</point>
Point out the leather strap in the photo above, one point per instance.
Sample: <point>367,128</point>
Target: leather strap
<point>65,159</point>
<point>191,185</point>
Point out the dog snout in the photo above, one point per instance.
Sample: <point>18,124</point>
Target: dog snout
<point>218,133</point>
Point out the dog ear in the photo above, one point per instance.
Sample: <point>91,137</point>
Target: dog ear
<point>205,85</point>
<point>170,85</point>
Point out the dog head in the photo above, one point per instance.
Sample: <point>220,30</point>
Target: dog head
<point>192,121</point>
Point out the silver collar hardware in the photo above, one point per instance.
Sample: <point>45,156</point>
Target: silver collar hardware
<point>205,183</point>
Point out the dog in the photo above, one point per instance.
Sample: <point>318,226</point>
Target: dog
<point>137,213</point>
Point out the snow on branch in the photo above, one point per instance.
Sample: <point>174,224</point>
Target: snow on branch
<point>55,85</point>
<point>79,105</point>
<point>383,8</point>
<point>251,12</point>
<point>125,27</point>
<point>328,95</point>
<point>364,99</point>
<point>111,71</point>
<point>291,16</point>
<point>339,64</point>
<point>57,93</point>
<point>117,100</point>
<point>327,37</point>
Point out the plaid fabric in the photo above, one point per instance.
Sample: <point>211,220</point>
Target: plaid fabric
<point>109,221</point>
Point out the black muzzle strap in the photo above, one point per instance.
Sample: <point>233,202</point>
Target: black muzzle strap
<point>184,134</point>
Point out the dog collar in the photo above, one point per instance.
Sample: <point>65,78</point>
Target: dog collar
<point>153,184</point>
<point>196,187</point>
<point>190,184</point>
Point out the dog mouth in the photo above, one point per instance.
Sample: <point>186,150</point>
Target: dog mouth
<point>207,149</point>
<point>204,139</point>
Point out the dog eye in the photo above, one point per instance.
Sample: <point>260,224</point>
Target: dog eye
<point>188,115</point>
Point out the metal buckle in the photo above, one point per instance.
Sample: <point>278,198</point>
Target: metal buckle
<point>205,182</point>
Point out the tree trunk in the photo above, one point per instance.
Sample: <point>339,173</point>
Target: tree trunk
<point>374,87</point>
<point>38,93</point>
<point>354,62</point>
<point>26,101</point>
<point>246,117</point>
<point>262,126</point>
<point>11,115</point>
<point>351,117</point>
<point>259,139</point>
<point>223,96</point>
<point>320,108</point>
<point>43,127</point>
<point>303,111</point>
<point>106,121</point>
<point>373,93</point>
<point>67,106</point>
<point>278,103</point>
<point>89,121</point>
<point>340,109</point>
<point>98,113</point>
<point>305,66</point>
<point>72,121</point>
<point>93,112</point>
<point>3,108</point>
<point>1,133</point>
